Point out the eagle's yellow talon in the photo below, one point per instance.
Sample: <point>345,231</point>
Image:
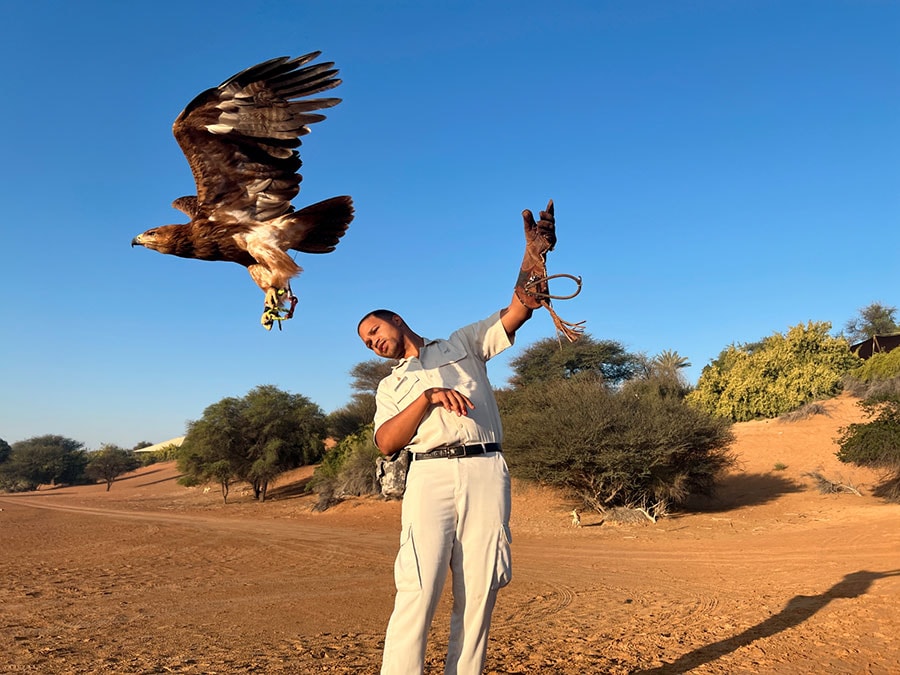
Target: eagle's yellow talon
<point>276,297</point>
<point>272,301</point>
<point>273,313</point>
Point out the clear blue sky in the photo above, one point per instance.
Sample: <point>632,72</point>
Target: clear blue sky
<point>722,170</point>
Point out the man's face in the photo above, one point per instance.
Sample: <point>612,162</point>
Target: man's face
<point>384,337</point>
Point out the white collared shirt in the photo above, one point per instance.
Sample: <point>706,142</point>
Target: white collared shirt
<point>460,363</point>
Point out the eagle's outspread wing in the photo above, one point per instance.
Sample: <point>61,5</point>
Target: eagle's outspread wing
<point>241,141</point>
<point>240,137</point>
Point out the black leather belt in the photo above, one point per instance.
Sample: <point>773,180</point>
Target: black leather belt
<point>449,451</point>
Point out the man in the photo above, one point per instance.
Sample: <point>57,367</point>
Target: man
<point>438,404</point>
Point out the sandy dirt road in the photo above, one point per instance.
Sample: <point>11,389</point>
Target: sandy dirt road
<point>771,577</point>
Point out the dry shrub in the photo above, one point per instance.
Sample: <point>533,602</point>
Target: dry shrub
<point>625,516</point>
<point>829,487</point>
<point>348,470</point>
<point>636,513</point>
<point>889,488</point>
<point>872,388</point>
<point>804,412</point>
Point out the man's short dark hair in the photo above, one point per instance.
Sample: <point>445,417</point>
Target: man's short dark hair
<point>383,314</point>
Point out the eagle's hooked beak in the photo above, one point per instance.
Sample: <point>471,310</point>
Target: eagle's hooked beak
<point>136,241</point>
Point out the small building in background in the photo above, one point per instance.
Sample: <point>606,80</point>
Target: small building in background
<point>875,345</point>
<point>159,446</point>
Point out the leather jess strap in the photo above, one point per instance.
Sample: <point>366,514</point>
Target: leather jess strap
<point>452,451</point>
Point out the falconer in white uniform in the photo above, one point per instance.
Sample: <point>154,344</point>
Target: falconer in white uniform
<point>438,404</point>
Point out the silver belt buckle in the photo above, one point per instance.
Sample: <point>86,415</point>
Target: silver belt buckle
<point>456,451</point>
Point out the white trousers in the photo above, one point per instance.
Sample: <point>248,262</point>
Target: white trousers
<point>455,515</point>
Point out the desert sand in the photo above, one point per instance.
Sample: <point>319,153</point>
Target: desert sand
<point>771,576</point>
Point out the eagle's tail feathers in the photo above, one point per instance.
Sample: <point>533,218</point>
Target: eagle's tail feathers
<point>319,227</point>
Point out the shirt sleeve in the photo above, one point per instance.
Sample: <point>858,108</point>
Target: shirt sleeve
<point>385,406</point>
<point>487,337</point>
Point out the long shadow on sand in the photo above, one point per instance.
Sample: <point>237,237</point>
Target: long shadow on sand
<point>170,479</point>
<point>745,489</point>
<point>64,489</point>
<point>797,610</point>
<point>141,474</point>
<point>298,488</point>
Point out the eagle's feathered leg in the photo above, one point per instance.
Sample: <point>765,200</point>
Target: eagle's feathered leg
<point>273,275</point>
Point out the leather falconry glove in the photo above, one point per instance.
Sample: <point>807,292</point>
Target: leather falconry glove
<point>532,287</point>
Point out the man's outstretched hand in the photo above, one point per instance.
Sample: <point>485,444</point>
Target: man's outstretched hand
<point>540,238</point>
<point>532,284</point>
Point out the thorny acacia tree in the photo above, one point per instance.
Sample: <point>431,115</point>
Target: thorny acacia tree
<point>550,359</point>
<point>874,319</point>
<point>360,411</point>
<point>253,439</point>
<point>41,460</point>
<point>610,427</point>
<point>637,446</point>
<point>110,462</point>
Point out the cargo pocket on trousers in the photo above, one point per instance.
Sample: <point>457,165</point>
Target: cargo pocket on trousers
<point>503,566</point>
<point>406,566</point>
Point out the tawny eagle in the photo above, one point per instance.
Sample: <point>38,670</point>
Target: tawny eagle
<point>240,139</point>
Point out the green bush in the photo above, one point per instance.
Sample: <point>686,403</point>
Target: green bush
<point>166,453</point>
<point>880,366</point>
<point>775,376</point>
<point>876,443</point>
<point>613,448</point>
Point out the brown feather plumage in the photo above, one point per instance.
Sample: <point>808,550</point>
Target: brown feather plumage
<point>240,140</point>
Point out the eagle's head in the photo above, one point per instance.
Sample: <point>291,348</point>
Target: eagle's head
<point>163,239</point>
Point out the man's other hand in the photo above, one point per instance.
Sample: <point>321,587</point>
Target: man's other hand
<point>450,400</point>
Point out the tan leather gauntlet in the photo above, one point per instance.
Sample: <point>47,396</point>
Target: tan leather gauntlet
<point>532,288</point>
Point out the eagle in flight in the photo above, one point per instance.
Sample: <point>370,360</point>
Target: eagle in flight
<point>240,140</point>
